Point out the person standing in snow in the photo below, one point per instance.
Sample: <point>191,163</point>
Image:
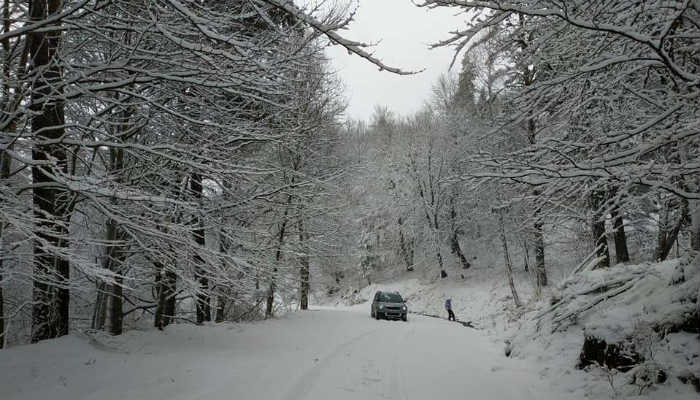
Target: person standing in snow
<point>448,307</point>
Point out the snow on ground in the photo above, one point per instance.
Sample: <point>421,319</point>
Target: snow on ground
<point>338,352</point>
<point>321,354</point>
<point>484,299</point>
<point>644,317</point>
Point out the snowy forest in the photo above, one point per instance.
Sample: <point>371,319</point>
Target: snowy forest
<point>170,163</point>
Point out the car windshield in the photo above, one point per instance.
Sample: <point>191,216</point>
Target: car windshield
<point>391,298</point>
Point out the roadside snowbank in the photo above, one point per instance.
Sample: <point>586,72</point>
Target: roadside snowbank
<point>632,327</point>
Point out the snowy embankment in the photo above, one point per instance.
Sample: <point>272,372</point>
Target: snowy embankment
<point>323,354</point>
<point>617,332</point>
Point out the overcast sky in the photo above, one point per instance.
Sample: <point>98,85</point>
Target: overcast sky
<point>405,32</point>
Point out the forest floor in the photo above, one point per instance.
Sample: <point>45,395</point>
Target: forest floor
<point>327,353</point>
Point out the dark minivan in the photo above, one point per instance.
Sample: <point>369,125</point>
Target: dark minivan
<point>389,305</point>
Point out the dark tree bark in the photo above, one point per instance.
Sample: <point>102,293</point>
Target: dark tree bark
<point>220,310</point>
<point>695,227</point>
<point>221,299</point>
<point>158,295</point>
<point>598,229</point>
<point>540,271</point>
<point>166,282</point>
<point>526,256</point>
<point>116,316</point>
<point>601,242</point>
<point>304,271</point>
<point>112,294</point>
<point>116,253</point>
<point>528,76</point>
<point>457,251</point>
<point>169,297</point>
<point>667,237</point>
<point>203,299</point>
<point>443,273</point>
<point>454,238</point>
<point>2,313</point>
<point>438,253</point>
<point>406,247</point>
<point>50,312</point>
<point>5,167</point>
<point>278,257</point>
<point>99,314</point>
<point>621,252</point>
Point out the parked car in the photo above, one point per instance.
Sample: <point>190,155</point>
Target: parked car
<point>389,305</point>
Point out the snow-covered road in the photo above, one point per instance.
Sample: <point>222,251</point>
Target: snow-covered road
<point>321,354</point>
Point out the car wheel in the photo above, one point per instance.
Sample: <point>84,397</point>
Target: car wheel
<point>371,313</point>
<point>378,315</point>
<point>404,318</point>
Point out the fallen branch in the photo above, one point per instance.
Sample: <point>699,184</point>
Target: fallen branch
<point>466,324</point>
<point>606,286</point>
<point>583,264</point>
<point>559,320</point>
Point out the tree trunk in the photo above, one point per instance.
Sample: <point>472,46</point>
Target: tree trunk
<point>2,314</point>
<point>114,257</point>
<point>99,314</point>
<point>159,295</point>
<point>528,77</point>
<point>457,250</point>
<point>621,252</point>
<point>443,273</point>
<point>166,282</point>
<point>170,292</point>
<point>406,247</point>
<point>115,252</point>
<point>667,237</point>
<point>50,312</point>
<point>509,266</point>
<point>203,299</point>
<point>695,226</point>
<point>540,271</point>
<point>220,298</point>
<point>304,272</point>
<point>117,255</point>
<point>438,253</point>
<point>2,300</point>
<point>454,240</point>
<point>598,229</point>
<point>269,302</point>
<point>278,257</point>
<point>220,309</point>
<point>5,167</point>
<point>116,316</point>
<point>526,256</point>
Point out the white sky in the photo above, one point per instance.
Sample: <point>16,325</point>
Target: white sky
<point>404,32</point>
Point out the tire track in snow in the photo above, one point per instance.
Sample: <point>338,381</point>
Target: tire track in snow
<point>397,376</point>
<point>306,382</point>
